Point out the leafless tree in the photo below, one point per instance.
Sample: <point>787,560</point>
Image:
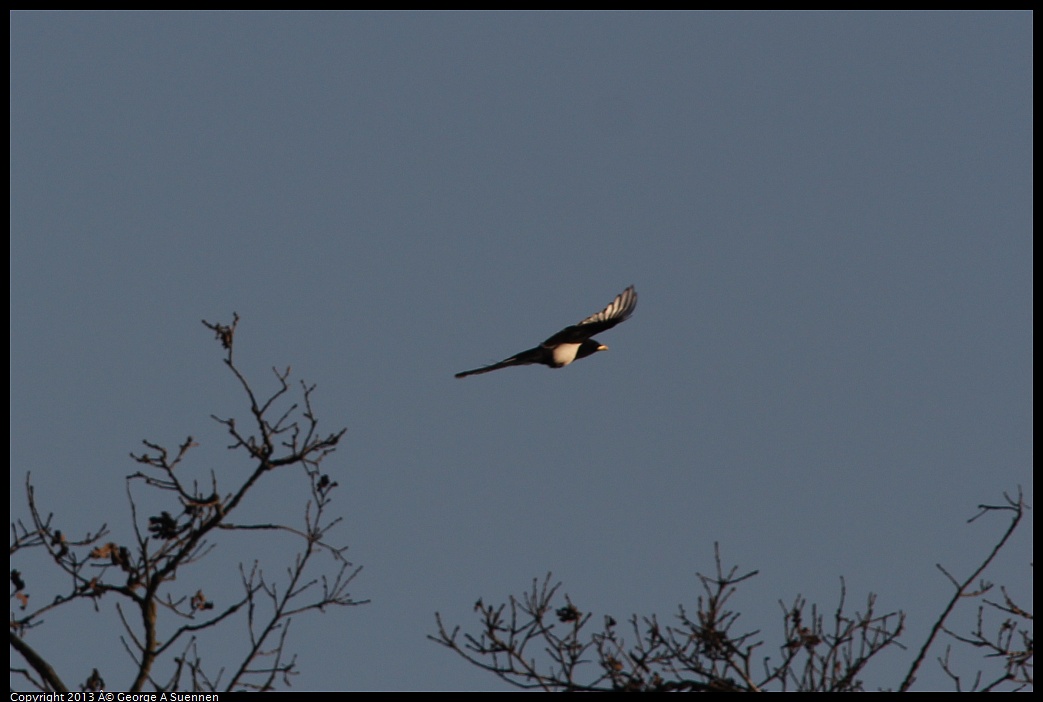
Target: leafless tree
<point>155,581</point>
<point>544,641</point>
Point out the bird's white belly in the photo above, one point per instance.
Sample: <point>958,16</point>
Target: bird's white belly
<point>564,354</point>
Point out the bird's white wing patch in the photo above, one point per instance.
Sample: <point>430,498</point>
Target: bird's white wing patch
<point>564,354</point>
<point>620,308</point>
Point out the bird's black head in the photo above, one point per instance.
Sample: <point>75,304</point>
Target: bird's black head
<point>590,346</point>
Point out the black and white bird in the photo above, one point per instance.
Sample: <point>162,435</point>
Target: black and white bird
<point>571,343</point>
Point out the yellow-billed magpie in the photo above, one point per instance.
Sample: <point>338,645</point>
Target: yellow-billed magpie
<point>571,343</point>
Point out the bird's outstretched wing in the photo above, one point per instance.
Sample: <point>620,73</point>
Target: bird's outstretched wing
<point>525,358</point>
<point>619,310</point>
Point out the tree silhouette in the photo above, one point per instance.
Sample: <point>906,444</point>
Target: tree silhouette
<point>155,580</point>
<point>543,640</point>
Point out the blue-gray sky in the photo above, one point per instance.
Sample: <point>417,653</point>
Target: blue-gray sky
<point>828,219</point>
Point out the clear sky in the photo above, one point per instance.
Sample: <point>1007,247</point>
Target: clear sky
<point>827,217</point>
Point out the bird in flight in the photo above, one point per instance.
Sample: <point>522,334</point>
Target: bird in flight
<point>571,343</point>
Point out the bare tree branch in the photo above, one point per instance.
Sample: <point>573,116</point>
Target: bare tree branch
<point>545,641</point>
<point>1018,507</point>
<point>157,616</point>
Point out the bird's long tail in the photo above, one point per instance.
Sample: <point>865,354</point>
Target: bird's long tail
<point>525,358</point>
